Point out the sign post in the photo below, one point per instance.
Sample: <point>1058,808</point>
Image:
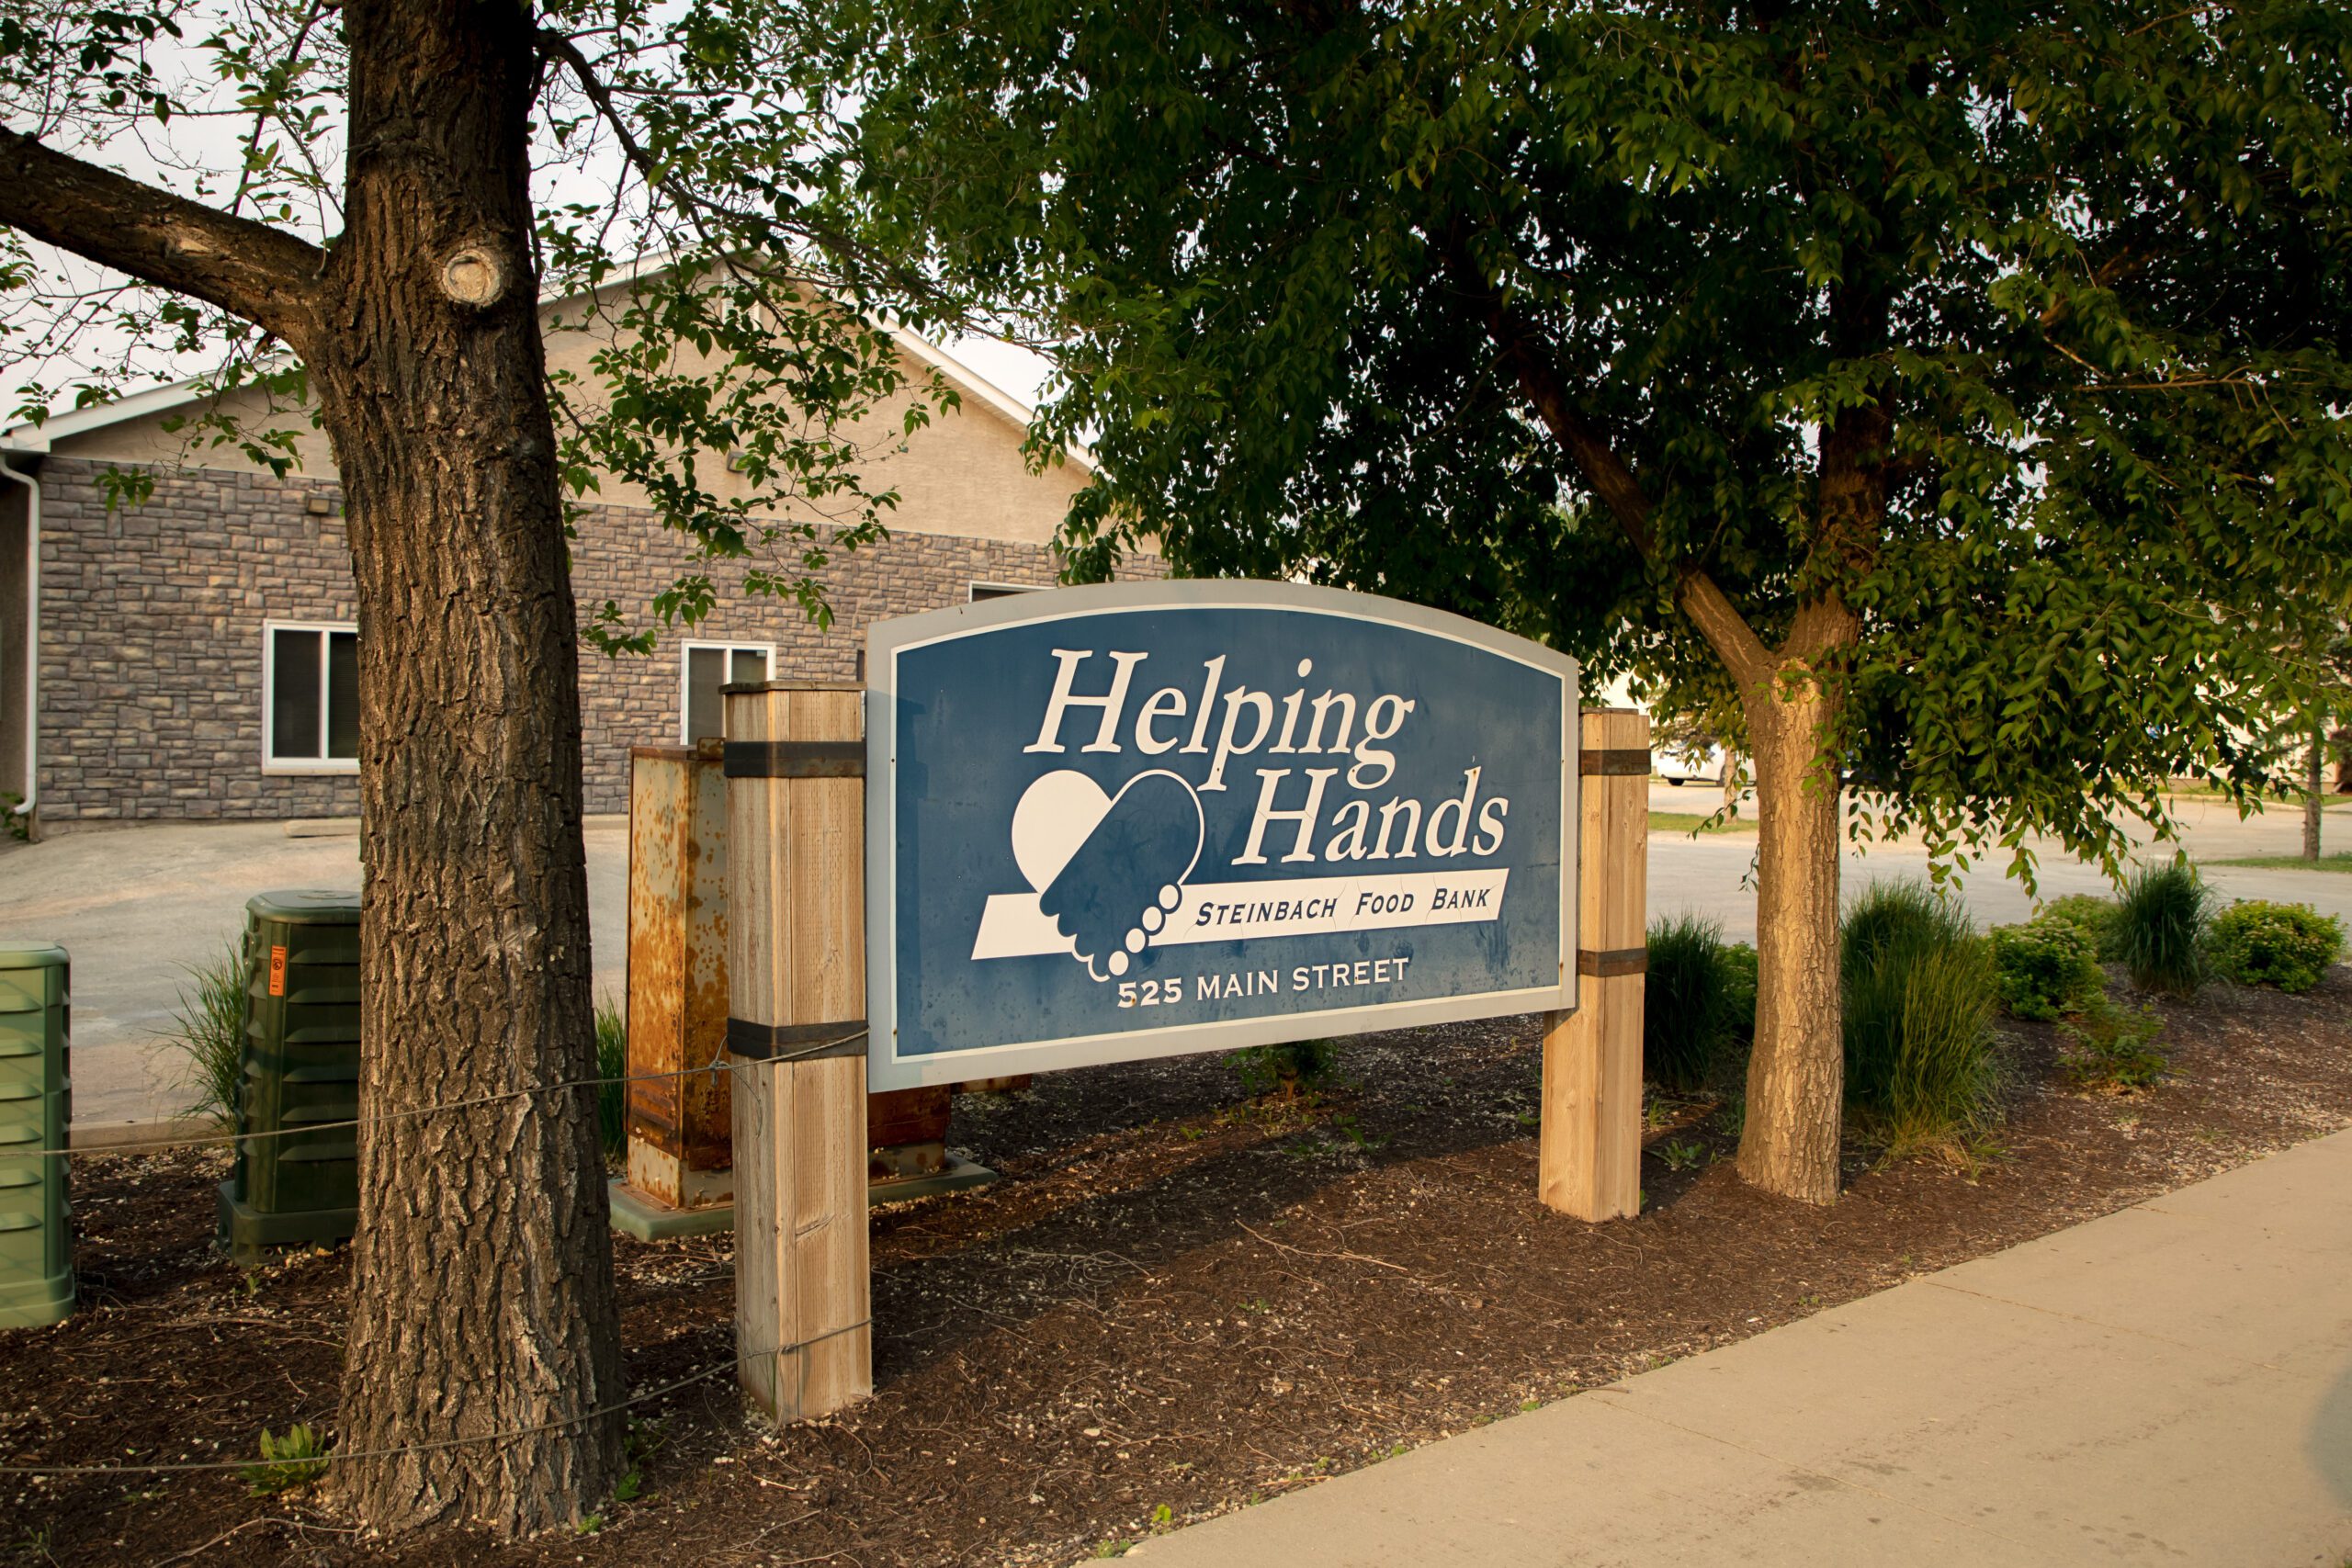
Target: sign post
<point>1589,1147</point>
<point>796,971</point>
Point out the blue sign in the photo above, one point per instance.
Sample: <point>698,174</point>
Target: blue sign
<point>1144,820</point>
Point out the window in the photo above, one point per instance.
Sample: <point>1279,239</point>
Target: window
<point>309,697</point>
<point>1002,590</point>
<point>702,715</point>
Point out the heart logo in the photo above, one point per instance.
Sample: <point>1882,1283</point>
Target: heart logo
<point>1107,869</point>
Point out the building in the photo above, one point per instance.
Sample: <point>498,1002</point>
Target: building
<point>197,653</point>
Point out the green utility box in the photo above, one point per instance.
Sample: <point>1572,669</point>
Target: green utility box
<point>296,1176</point>
<point>36,1110</point>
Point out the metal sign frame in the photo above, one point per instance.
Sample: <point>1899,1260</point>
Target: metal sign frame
<point>887,640</point>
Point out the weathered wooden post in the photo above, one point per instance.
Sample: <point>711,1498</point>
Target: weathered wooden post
<point>796,969</point>
<point>680,1167</point>
<point>1590,1159</point>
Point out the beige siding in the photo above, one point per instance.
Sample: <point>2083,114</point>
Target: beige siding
<point>964,474</point>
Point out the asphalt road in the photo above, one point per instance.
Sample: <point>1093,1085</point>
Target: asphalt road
<point>136,907</point>
<point>1713,874</point>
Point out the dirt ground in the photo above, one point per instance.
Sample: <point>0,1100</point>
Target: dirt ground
<point>1175,1303</point>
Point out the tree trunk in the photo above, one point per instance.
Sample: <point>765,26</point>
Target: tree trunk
<point>1796,1075</point>
<point>483,1297</point>
<point>2315,790</point>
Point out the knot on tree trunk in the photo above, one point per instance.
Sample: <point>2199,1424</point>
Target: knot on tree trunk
<point>472,275</point>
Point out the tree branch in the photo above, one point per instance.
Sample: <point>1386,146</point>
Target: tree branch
<point>560,47</point>
<point>693,205</point>
<point>1697,595</point>
<point>249,269</point>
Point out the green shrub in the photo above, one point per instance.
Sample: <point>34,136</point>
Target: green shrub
<point>2095,915</point>
<point>2110,1048</point>
<point>2256,942</point>
<point>209,1029</point>
<point>1291,1069</point>
<point>2160,925</point>
<point>2046,968</point>
<point>1919,1002</point>
<point>1687,1003</point>
<point>1739,982</point>
<point>611,1065</point>
<point>1897,917</point>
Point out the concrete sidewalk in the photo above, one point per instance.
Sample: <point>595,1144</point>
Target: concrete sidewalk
<point>2171,1383</point>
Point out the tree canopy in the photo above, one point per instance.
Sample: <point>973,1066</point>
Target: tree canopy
<point>1542,312</point>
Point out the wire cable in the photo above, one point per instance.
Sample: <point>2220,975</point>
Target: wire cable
<point>714,1066</point>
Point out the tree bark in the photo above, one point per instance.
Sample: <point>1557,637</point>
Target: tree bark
<point>2315,790</point>
<point>250,269</point>
<point>483,1297</point>
<point>1797,1074</point>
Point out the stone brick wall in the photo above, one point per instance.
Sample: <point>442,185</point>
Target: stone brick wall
<point>151,636</point>
<point>150,643</point>
<point>625,555</point>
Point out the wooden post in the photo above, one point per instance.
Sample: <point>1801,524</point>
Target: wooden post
<point>796,967</point>
<point>680,1120</point>
<point>1590,1144</point>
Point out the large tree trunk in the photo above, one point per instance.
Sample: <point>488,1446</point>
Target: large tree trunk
<point>484,1298</point>
<point>1796,1075</point>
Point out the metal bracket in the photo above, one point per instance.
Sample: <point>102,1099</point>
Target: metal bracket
<point>795,758</point>
<point>1614,962</point>
<point>795,1042</point>
<point>1617,761</point>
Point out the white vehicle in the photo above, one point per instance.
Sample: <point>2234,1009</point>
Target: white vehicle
<point>1699,765</point>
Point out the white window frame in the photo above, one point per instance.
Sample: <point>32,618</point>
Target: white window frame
<point>685,667</point>
<point>972,592</point>
<point>271,762</point>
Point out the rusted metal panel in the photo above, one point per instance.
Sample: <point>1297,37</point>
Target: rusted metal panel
<point>906,1116</point>
<point>906,1133</point>
<point>679,1116</point>
<point>680,1150</point>
<point>1012,1085</point>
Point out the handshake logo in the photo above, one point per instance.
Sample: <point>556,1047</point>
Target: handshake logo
<point>1107,870</point>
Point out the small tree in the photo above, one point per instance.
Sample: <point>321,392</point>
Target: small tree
<point>368,254</point>
<point>1952,394</point>
<point>2332,695</point>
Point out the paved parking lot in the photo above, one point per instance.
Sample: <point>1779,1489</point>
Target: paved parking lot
<point>136,907</point>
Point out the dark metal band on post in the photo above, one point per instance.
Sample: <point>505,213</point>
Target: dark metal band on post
<point>795,758</point>
<point>1617,761</point>
<point>1614,962</point>
<point>795,1042</point>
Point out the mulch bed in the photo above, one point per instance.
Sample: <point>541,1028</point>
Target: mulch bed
<point>1175,1303</point>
